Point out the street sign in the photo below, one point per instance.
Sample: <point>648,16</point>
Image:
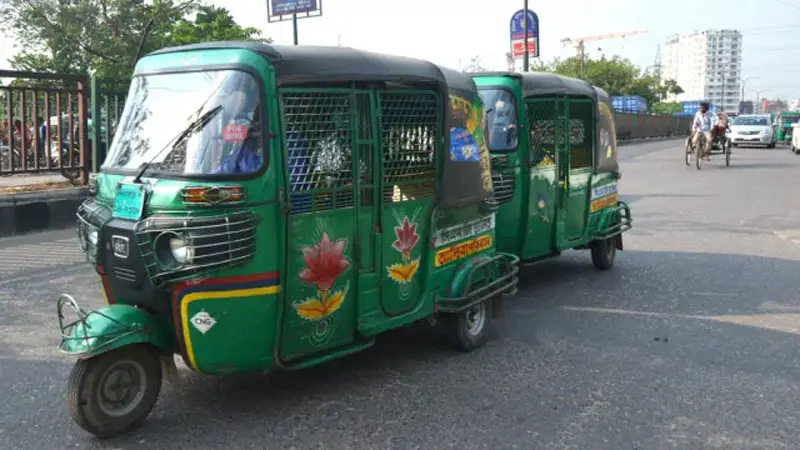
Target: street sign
<point>517,33</point>
<point>518,48</point>
<point>279,10</point>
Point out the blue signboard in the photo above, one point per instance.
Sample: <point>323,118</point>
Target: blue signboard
<point>289,7</point>
<point>518,29</point>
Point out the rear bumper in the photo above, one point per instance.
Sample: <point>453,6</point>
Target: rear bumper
<point>500,275</point>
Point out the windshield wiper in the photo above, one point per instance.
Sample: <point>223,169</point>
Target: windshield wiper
<point>172,143</point>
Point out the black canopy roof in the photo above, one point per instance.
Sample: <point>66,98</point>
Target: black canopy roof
<point>297,64</point>
<point>547,83</point>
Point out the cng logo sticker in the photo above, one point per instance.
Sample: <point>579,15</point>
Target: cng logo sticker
<point>203,322</point>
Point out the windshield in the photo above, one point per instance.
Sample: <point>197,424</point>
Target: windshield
<point>790,119</point>
<point>501,119</point>
<point>157,124</point>
<point>751,120</point>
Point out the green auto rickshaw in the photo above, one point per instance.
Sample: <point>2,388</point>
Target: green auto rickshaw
<point>271,208</point>
<point>554,166</point>
<point>785,122</point>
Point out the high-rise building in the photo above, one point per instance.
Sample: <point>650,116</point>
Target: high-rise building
<point>707,65</point>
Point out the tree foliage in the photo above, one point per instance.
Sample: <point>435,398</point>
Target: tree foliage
<point>617,76</point>
<point>475,65</point>
<point>105,36</point>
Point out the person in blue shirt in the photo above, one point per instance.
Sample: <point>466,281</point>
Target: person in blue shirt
<point>246,156</point>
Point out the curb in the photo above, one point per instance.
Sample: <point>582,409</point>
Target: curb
<point>26,212</point>
<point>647,140</point>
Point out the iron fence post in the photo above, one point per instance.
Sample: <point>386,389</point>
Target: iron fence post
<point>97,158</point>
<point>84,126</point>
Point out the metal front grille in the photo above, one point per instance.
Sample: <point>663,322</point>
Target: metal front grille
<point>541,116</point>
<point>216,241</point>
<point>409,124</point>
<point>319,146</point>
<point>503,186</point>
<point>126,275</point>
<point>92,215</point>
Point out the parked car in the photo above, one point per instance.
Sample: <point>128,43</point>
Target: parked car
<point>753,130</point>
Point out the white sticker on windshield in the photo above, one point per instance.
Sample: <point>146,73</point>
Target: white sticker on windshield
<point>500,104</point>
<point>203,322</point>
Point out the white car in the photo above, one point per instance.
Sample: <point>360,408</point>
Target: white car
<point>796,138</point>
<point>754,129</point>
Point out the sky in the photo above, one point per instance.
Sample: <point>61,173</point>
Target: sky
<point>451,32</point>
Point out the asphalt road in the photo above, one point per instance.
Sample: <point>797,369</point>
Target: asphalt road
<point>689,343</point>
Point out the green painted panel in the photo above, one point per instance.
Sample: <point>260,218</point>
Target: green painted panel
<point>410,133</point>
<point>241,333</point>
<point>541,231</point>
<point>580,141</point>
<point>322,260</point>
<point>321,288</point>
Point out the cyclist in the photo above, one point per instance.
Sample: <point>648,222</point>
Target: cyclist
<point>702,125</point>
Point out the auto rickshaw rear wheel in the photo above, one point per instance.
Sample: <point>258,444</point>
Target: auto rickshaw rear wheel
<point>113,393</point>
<point>604,253</point>
<point>468,330</point>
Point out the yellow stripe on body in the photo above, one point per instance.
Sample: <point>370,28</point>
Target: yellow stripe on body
<point>214,295</point>
<point>103,289</point>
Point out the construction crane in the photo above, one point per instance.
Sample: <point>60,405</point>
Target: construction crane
<point>579,43</point>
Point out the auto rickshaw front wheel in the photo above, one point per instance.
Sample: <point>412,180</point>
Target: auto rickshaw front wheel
<point>113,393</point>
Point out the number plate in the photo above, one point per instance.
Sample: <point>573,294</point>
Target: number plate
<point>129,203</point>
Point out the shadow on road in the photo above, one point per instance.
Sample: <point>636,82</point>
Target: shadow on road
<point>640,311</point>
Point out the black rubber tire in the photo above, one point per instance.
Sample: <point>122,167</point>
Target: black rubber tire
<point>728,154</point>
<point>698,160</point>
<point>456,329</point>
<point>84,387</point>
<point>688,153</point>
<point>603,253</point>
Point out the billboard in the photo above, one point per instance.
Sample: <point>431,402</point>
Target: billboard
<point>517,31</point>
<point>278,8</point>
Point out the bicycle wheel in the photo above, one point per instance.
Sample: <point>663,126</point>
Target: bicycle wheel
<point>728,154</point>
<point>688,151</point>
<point>699,157</point>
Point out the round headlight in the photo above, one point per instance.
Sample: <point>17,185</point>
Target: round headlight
<point>93,236</point>
<point>172,250</point>
<point>180,250</point>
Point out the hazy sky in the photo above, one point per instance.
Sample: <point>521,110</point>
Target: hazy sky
<point>450,32</point>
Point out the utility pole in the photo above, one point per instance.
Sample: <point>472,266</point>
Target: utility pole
<point>723,87</point>
<point>526,59</point>
<point>294,27</point>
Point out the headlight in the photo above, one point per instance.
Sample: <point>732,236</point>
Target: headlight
<point>173,250</point>
<point>93,237</point>
<point>181,250</point>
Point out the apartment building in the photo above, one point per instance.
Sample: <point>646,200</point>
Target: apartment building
<point>707,65</point>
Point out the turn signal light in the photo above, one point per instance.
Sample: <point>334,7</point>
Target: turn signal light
<point>212,195</point>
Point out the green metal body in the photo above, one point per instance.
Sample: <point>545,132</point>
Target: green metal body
<point>546,200</point>
<point>333,265</point>
<point>784,125</point>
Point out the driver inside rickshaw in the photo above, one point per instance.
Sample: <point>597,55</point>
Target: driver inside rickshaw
<point>240,119</point>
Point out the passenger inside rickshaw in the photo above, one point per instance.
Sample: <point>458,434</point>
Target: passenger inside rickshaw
<point>720,128</point>
<point>240,117</point>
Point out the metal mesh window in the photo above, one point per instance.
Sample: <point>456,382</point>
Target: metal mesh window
<point>541,116</point>
<point>319,147</point>
<point>581,134</point>
<point>409,134</point>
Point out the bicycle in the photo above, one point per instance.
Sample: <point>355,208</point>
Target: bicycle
<point>690,150</point>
